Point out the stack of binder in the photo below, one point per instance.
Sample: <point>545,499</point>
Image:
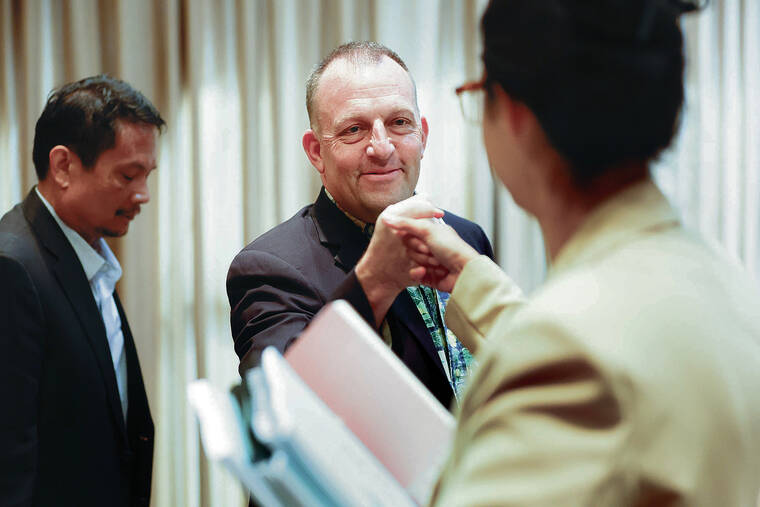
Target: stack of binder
<point>338,421</point>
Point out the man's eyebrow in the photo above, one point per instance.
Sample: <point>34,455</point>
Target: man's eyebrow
<point>351,117</point>
<point>136,164</point>
<point>359,116</point>
<point>404,111</point>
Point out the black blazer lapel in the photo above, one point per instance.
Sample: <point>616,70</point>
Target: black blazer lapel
<point>70,274</point>
<point>337,232</point>
<point>139,422</point>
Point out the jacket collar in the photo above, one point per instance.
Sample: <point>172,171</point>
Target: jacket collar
<point>637,210</point>
<point>45,227</point>
<point>337,232</point>
<point>93,261</point>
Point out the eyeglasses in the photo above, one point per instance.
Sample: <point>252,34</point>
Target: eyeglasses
<point>471,100</point>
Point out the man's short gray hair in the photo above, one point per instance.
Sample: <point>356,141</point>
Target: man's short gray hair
<point>357,53</point>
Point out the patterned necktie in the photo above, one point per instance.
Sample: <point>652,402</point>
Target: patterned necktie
<point>455,358</point>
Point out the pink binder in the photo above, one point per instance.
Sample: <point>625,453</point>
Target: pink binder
<point>350,368</point>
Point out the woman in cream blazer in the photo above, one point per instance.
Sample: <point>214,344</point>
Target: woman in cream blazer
<point>632,376</point>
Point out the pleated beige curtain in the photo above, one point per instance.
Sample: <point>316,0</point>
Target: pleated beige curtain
<point>229,79</point>
<point>228,76</point>
<point>713,172</point>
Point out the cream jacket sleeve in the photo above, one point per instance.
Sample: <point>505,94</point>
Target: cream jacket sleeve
<point>538,426</point>
<point>482,295</point>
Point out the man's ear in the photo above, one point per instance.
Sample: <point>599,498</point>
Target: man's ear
<point>313,150</point>
<point>61,160</point>
<point>424,123</point>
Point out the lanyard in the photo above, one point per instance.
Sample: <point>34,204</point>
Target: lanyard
<point>436,315</point>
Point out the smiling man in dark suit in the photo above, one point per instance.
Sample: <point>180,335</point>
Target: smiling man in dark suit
<point>76,429</point>
<point>366,140</point>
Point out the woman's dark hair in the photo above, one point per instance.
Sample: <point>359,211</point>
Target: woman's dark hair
<point>603,77</point>
<point>83,115</point>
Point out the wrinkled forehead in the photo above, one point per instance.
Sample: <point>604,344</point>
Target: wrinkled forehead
<point>345,83</point>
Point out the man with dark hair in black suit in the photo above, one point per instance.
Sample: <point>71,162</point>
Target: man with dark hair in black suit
<point>76,429</point>
<point>366,140</point>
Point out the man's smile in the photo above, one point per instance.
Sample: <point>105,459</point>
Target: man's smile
<point>380,175</point>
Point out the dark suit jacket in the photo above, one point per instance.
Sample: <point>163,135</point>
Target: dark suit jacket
<point>281,280</point>
<point>63,440</point>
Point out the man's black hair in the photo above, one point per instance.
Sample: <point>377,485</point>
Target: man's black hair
<point>83,116</point>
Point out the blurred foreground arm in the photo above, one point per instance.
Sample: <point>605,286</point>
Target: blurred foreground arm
<point>540,425</point>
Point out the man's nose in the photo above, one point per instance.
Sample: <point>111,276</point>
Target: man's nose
<point>142,194</point>
<point>381,145</point>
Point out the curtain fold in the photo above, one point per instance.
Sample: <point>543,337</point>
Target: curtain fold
<point>229,77</point>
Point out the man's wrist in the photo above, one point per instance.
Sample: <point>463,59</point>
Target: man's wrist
<point>379,292</point>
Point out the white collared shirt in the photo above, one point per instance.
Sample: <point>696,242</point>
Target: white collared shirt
<point>102,271</point>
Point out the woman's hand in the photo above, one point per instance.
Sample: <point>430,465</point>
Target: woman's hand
<point>437,251</point>
<point>385,268</point>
